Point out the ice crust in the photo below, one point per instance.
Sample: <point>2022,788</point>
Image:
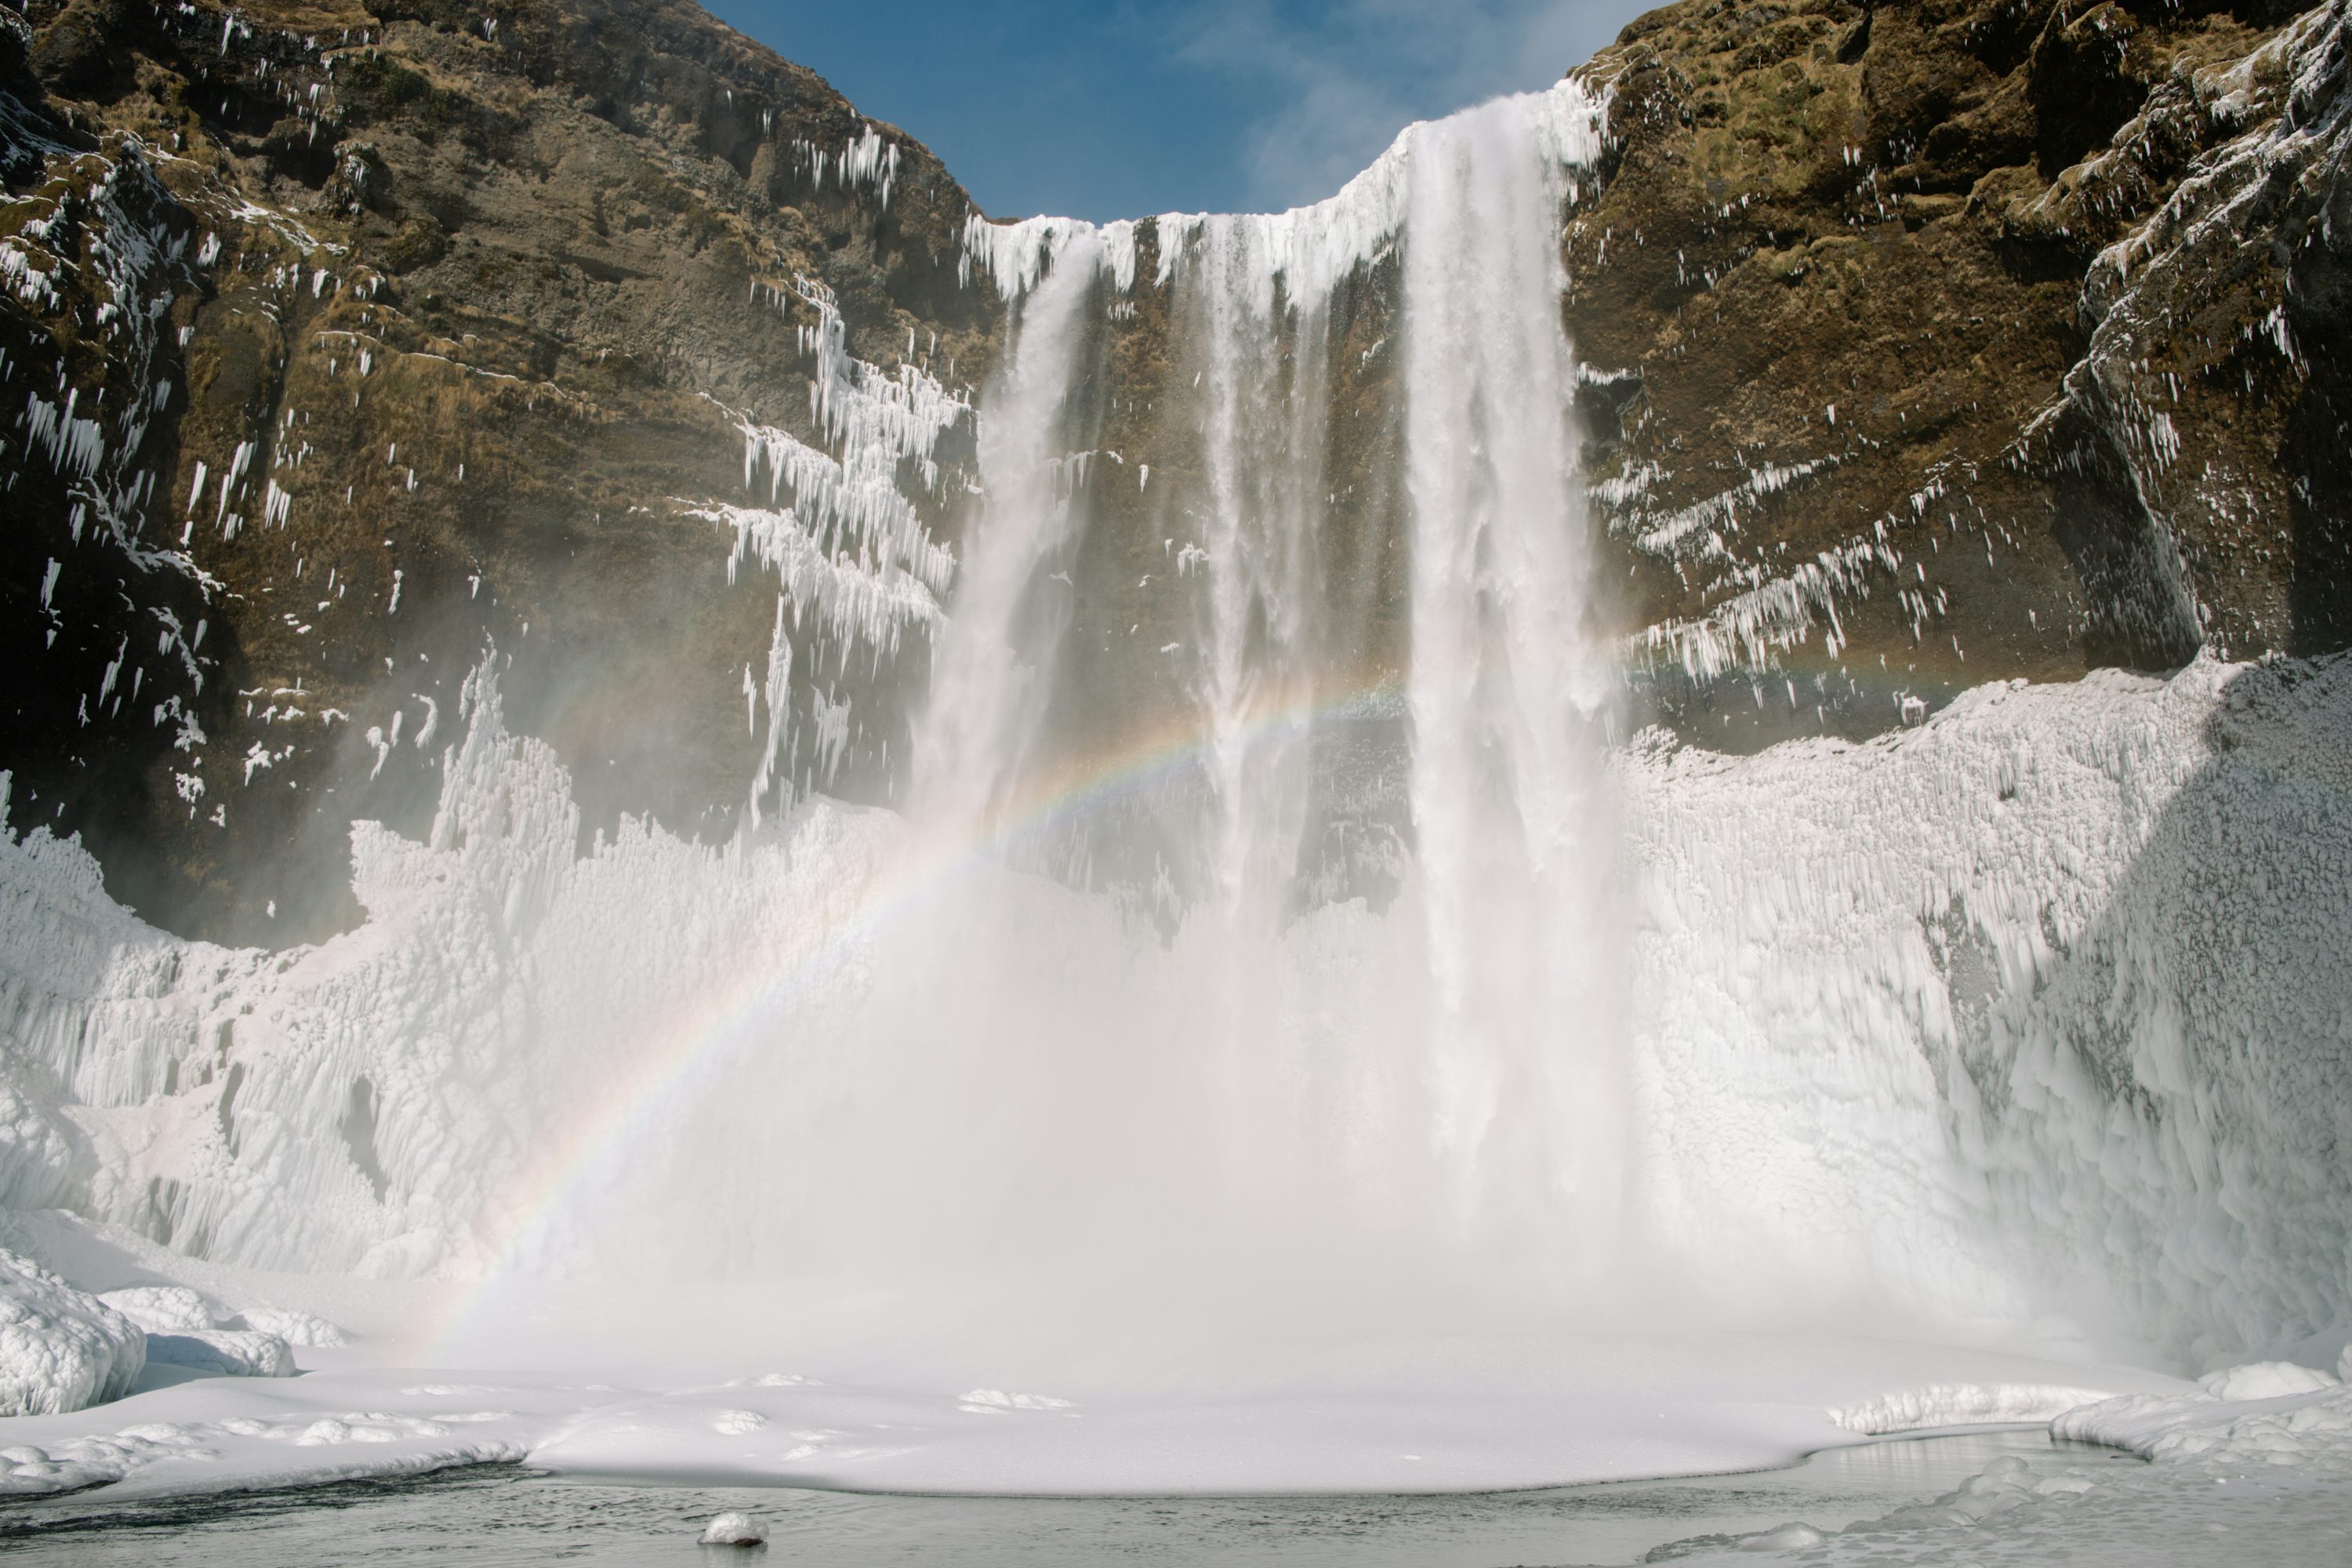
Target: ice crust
<point>60,1349</point>
<point>2235,1478</point>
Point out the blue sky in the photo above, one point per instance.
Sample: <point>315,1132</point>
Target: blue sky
<point>1118,107</point>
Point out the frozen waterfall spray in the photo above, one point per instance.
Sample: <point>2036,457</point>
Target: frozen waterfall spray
<point>1219,1093</point>
<point>1283,1098</point>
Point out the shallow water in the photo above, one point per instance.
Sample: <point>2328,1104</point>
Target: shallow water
<point>499,1514</point>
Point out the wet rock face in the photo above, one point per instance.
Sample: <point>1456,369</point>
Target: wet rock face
<point>355,338</point>
<point>1936,343</point>
<point>1923,343</point>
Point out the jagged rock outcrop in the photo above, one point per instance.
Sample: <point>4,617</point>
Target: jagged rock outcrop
<point>1939,341</point>
<point>1925,344</point>
<point>344,340</point>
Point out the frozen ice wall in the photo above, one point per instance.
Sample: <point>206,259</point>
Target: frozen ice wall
<point>2033,1007</point>
<point>2029,1013</point>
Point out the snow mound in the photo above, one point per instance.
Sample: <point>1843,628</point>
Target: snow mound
<point>2265,1479</point>
<point>60,1349</point>
<point>76,1464</point>
<point>731,1529</point>
<point>2265,1379</point>
<point>225,1352</point>
<point>1962,1405</point>
<point>2263,1421</point>
<point>163,1309</point>
<point>295,1328</point>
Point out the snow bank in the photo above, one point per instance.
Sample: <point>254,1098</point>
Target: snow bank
<point>2260,1472</point>
<point>217,1336</point>
<point>243,1434</point>
<point>60,1349</point>
<point>2267,1414</point>
<point>163,1309</point>
<point>2267,1380</point>
<point>1960,1405</point>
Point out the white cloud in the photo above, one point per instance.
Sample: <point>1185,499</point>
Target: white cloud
<point>1341,77</point>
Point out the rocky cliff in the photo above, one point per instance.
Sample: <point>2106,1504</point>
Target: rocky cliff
<point>1946,341</point>
<point>1924,343</point>
<point>341,343</point>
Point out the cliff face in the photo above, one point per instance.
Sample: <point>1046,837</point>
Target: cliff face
<point>1925,343</point>
<point>1947,341</point>
<point>344,340</point>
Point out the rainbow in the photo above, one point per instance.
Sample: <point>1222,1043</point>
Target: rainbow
<point>672,1065</point>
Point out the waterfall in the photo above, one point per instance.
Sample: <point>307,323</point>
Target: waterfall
<point>1479,1099</point>
<point>1278,943</point>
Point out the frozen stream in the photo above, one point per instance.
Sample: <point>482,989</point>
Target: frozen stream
<point>496,1515</point>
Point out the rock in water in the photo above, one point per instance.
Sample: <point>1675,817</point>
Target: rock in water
<point>60,1349</point>
<point>731,1529</point>
<point>225,1352</point>
<point>1787,1538</point>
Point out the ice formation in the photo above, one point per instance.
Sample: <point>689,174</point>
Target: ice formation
<point>2237,1476</point>
<point>59,1349</point>
<point>731,1529</point>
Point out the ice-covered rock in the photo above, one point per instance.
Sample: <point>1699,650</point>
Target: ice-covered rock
<point>163,1309</point>
<point>225,1352</point>
<point>296,1327</point>
<point>60,1349</point>
<point>1785,1538</point>
<point>37,1161</point>
<point>731,1529</point>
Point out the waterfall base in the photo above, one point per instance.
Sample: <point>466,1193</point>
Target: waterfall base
<point>555,1378</point>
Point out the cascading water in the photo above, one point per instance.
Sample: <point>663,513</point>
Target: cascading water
<point>1489,1086</point>
<point>1276,1097</point>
